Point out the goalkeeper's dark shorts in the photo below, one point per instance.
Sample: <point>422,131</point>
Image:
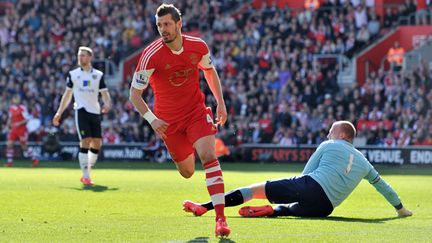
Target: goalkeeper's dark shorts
<point>304,196</point>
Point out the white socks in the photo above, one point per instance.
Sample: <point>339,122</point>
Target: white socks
<point>87,159</point>
<point>84,162</point>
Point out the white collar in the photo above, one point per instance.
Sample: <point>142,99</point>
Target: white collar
<point>178,52</point>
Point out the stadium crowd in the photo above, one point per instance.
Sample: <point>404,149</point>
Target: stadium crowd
<point>275,92</point>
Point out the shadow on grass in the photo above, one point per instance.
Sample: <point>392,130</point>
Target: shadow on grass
<point>206,239</point>
<point>199,240</point>
<point>330,218</point>
<point>357,220</point>
<point>226,240</point>
<point>94,188</point>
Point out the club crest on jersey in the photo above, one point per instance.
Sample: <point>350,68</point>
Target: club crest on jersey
<point>194,58</point>
<point>86,83</point>
<point>94,76</point>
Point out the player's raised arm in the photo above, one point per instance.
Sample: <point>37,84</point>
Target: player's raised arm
<point>388,193</point>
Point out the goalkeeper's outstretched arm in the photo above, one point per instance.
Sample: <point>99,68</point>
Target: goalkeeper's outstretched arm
<point>387,191</point>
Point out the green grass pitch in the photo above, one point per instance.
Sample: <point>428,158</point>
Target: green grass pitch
<point>141,202</point>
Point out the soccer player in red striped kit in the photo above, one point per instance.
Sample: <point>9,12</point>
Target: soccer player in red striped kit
<point>18,117</point>
<point>171,66</point>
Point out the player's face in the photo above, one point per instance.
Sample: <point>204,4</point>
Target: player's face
<point>168,29</point>
<point>84,58</point>
<point>16,99</point>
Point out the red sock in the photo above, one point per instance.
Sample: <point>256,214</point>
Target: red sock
<point>215,186</point>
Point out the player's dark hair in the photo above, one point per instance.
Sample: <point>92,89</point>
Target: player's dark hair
<point>165,9</point>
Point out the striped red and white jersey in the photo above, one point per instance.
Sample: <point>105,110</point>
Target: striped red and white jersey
<point>173,76</point>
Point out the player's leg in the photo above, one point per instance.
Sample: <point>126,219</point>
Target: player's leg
<point>83,159</point>
<point>93,153</point>
<point>312,201</point>
<point>95,140</point>
<point>214,180</point>
<point>27,151</point>
<point>300,196</point>
<point>298,209</point>
<point>182,153</point>
<point>82,124</point>
<point>10,150</point>
<point>232,198</point>
<point>186,167</point>
<point>201,132</point>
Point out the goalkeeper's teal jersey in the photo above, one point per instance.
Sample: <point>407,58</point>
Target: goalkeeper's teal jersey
<point>339,167</point>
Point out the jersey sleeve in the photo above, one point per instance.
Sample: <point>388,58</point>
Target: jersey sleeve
<point>69,83</point>
<point>206,61</point>
<point>383,188</point>
<point>102,85</point>
<point>143,71</point>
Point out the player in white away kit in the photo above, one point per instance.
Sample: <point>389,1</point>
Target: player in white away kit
<point>85,83</point>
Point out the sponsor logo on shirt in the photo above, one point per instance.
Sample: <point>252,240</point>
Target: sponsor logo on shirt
<point>179,77</point>
<point>86,83</point>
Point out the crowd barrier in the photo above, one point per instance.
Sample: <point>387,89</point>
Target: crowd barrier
<point>300,154</point>
<point>244,153</point>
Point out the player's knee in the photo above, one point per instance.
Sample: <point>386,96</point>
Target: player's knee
<point>188,173</point>
<point>207,156</point>
<point>9,143</point>
<point>96,143</point>
<point>85,143</point>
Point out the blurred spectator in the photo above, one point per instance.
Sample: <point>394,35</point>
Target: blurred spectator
<point>395,56</point>
<point>373,25</point>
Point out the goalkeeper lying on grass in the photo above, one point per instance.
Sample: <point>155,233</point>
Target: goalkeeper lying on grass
<point>330,175</point>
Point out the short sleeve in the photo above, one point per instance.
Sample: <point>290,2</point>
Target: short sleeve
<point>69,83</point>
<point>206,61</point>
<point>102,85</point>
<point>141,79</point>
<point>144,70</point>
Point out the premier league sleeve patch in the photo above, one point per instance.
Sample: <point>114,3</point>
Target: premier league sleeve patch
<point>141,79</point>
<point>206,62</point>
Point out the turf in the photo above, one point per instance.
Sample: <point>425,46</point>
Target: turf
<point>141,202</point>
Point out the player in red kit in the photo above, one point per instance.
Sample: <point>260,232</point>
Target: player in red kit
<point>171,66</point>
<point>17,122</point>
